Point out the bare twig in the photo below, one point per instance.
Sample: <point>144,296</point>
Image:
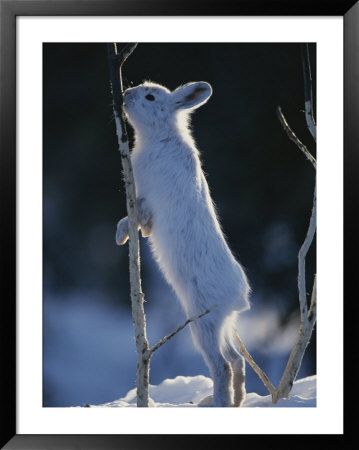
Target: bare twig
<point>298,350</point>
<point>296,355</point>
<point>295,358</point>
<point>301,259</point>
<point>272,390</point>
<point>307,318</point>
<point>308,92</point>
<point>169,336</point>
<point>312,314</point>
<point>116,61</point>
<point>293,137</point>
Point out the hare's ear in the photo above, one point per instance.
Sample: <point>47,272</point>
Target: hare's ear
<point>191,95</point>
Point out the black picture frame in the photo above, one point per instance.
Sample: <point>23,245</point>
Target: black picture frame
<point>9,10</point>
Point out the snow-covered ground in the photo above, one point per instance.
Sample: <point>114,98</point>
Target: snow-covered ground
<point>189,391</point>
<point>90,355</point>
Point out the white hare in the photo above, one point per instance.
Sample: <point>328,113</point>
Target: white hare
<point>178,214</point>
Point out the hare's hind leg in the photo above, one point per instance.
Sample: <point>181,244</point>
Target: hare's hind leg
<point>238,367</point>
<point>206,337</point>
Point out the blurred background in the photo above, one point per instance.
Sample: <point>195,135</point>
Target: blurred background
<point>260,181</point>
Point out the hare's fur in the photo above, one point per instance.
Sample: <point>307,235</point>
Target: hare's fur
<point>177,213</point>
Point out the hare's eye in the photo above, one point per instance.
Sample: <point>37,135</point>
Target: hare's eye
<point>150,97</point>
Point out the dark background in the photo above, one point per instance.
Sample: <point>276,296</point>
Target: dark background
<point>260,181</point>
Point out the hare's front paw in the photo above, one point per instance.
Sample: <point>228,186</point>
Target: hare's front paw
<point>122,231</point>
<point>145,217</point>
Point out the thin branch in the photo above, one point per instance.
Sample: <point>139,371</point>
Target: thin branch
<point>308,93</point>
<point>292,136</point>
<point>169,336</point>
<point>308,318</point>
<point>125,52</point>
<point>312,313</point>
<point>255,367</point>
<point>301,260</point>
<point>116,60</point>
<point>296,356</point>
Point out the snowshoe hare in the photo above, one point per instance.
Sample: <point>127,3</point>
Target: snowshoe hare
<point>177,213</point>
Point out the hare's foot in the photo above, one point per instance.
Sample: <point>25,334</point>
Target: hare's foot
<point>206,401</point>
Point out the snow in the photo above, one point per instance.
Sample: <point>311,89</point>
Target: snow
<point>90,355</point>
<point>189,391</point>
<point>303,394</point>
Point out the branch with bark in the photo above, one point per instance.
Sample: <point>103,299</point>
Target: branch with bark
<point>116,61</point>
<point>307,316</point>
